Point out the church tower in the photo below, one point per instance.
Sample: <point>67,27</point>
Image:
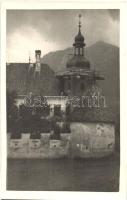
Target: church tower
<point>78,76</point>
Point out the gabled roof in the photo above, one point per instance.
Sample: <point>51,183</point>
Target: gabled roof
<point>21,78</point>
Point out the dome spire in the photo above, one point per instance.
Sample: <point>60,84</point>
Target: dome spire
<point>78,60</point>
<point>79,22</point>
<point>79,39</point>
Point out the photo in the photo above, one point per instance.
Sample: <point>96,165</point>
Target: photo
<point>63,100</point>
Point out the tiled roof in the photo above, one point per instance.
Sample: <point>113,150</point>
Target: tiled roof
<point>22,79</point>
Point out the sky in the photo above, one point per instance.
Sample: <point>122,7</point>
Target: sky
<point>51,30</point>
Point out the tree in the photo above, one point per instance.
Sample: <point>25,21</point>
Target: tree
<point>12,110</point>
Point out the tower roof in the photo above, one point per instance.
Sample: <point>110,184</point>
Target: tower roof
<point>37,51</point>
<point>78,65</point>
<point>79,62</point>
<point>79,38</point>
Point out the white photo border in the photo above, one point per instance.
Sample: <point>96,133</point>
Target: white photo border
<point>37,5</point>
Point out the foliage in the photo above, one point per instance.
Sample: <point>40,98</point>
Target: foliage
<point>12,110</point>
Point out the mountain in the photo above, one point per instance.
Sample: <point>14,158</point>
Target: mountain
<point>103,57</point>
<point>57,60</point>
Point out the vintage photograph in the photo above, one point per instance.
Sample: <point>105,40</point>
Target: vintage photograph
<point>63,100</point>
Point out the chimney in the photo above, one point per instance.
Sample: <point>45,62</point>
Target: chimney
<point>38,61</point>
<point>37,55</point>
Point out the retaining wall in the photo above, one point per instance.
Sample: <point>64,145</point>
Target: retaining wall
<point>85,140</point>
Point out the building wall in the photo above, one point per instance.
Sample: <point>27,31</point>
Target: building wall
<point>38,148</point>
<point>55,143</point>
<point>57,100</point>
<point>77,86</point>
<point>20,101</point>
<point>51,100</point>
<point>85,140</point>
<point>92,139</point>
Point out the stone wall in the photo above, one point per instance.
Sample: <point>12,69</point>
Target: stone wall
<point>92,139</point>
<point>38,148</point>
<point>85,140</point>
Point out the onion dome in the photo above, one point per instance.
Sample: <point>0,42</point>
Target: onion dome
<point>78,61</point>
<point>79,38</point>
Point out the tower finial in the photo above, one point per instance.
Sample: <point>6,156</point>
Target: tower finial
<point>79,22</point>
